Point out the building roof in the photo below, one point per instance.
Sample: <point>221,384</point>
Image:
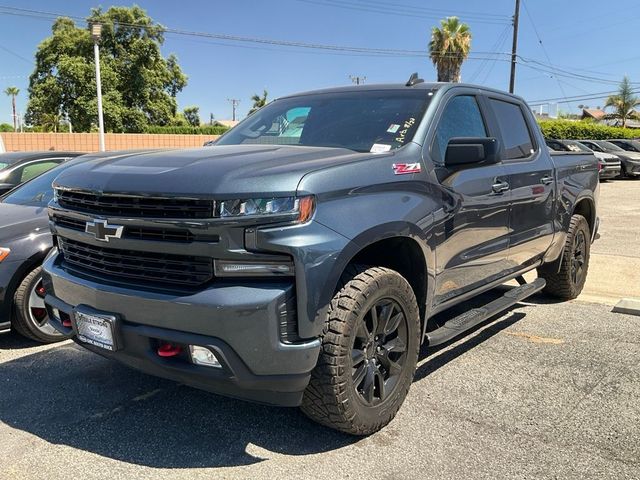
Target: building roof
<point>593,113</point>
<point>226,123</point>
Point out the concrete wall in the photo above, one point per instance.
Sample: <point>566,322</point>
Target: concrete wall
<point>88,142</point>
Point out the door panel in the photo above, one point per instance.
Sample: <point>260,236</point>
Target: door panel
<point>531,176</point>
<point>531,218</point>
<point>473,232</point>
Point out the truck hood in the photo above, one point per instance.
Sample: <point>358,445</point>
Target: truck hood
<point>226,170</point>
<point>629,155</point>
<point>606,156</point>
<point>20,220</point>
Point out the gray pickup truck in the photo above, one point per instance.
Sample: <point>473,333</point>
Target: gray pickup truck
<point>301,259</point>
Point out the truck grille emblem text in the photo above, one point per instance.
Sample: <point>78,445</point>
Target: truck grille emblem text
<point>103,231</point>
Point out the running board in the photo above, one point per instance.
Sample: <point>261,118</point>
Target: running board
<point>463,322</point>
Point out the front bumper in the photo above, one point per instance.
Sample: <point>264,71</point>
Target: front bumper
<point>238,322</point>
<point>609,172</point>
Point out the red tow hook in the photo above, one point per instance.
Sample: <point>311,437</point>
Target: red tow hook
<point>65,320</point>
<point>169,350</point>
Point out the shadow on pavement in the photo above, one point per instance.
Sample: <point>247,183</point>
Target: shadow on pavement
<point>69,396</point>
<point>13,341</point>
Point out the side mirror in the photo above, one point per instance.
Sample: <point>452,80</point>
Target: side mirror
<point>5,187</point>
<point>470,151</point>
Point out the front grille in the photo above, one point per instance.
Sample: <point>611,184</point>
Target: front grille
<point>130,206</point>
<point>134,233</point>
<point>123,265</point>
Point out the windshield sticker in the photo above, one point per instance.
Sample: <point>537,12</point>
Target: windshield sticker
<point>405,127</point>
<point>406,168</point>
<point>393,128</point>
<point>380,148</point>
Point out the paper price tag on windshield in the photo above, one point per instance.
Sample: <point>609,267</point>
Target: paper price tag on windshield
<point>380,148</point>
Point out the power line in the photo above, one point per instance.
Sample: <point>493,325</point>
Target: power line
<point>244,39</point>
<point>497,46</point>
<point>544,50</point>
<point>17,55</point>
<point>576,98</point>
<point>438,11</point>
<point>402,12</point>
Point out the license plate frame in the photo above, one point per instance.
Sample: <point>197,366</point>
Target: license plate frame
<point>96,328</point>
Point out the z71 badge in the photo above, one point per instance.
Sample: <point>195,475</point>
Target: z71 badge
<point>406,168</point>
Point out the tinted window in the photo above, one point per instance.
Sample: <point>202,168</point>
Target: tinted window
<point>593,146</point>
<point>37,168</point>
<point>358,120</point>
<point>461,118</point>
<point>557,146</point>
<point>515,133</point>
<point>38,192</point>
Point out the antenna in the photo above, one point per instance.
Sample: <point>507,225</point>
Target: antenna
<point>414,80</point>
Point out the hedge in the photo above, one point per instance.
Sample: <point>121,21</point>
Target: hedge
<point>580,130</point>
<point>203,130</point>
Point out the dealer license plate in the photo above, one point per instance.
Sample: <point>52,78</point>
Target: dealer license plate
<point>95,329</point>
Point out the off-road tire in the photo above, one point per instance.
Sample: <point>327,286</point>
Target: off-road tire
<point>22,321</point>
<point>331,398</point>
<point>561,284</point>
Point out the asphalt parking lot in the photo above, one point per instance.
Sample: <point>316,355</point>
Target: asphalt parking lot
<point>547,390</point>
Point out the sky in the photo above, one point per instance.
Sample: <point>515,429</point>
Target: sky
<point>581,47</point>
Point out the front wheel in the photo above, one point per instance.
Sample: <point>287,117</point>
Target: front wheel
<point>31,319</point>
<point>568,282</point>
<point>369,353</point>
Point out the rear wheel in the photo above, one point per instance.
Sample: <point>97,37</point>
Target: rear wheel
<point>368,355</point>
<point>31,319</point>
<point>567,283</point>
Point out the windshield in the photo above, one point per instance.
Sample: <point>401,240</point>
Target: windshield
<point>574,146</point>
<point>364,121</point>
<point>36,192</point>
<point>610,146</point>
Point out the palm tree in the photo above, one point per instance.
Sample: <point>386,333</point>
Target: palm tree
<point>258,101</point>
<point>13,93</point>
<point>449,47</point>
<point>623,103</point>
<point>50,122</point>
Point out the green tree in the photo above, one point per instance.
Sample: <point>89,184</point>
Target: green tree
<point>139,85</point>
<point>449,47</point>
<point>13,93</point>
<point>5,127</point>
<point>192,115</point>
<point>258,101</point>
<point>623,103</point>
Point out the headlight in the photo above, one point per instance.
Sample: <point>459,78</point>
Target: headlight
<point>303,206</point>
<point>4,252</point>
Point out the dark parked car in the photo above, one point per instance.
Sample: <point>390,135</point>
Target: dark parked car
<point>608,164</point>
<point>304,266</point>
<point>630,160</point>
<point>19,167</point>
<point>25,239</point>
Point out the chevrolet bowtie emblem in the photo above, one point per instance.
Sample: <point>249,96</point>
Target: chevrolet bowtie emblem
<point>103,231</point>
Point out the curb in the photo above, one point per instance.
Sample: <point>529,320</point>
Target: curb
<point>630,306</point>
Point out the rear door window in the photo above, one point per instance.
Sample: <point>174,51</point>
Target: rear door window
<point>516,136</point>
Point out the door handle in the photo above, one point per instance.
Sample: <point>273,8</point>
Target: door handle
<point>546,180</point>
<point>499,186</point>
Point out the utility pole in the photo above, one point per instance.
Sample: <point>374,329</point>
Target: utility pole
<point>96,31</point>
<point>357,79</point>
<point>514,47</point>
<point>234,105</point>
